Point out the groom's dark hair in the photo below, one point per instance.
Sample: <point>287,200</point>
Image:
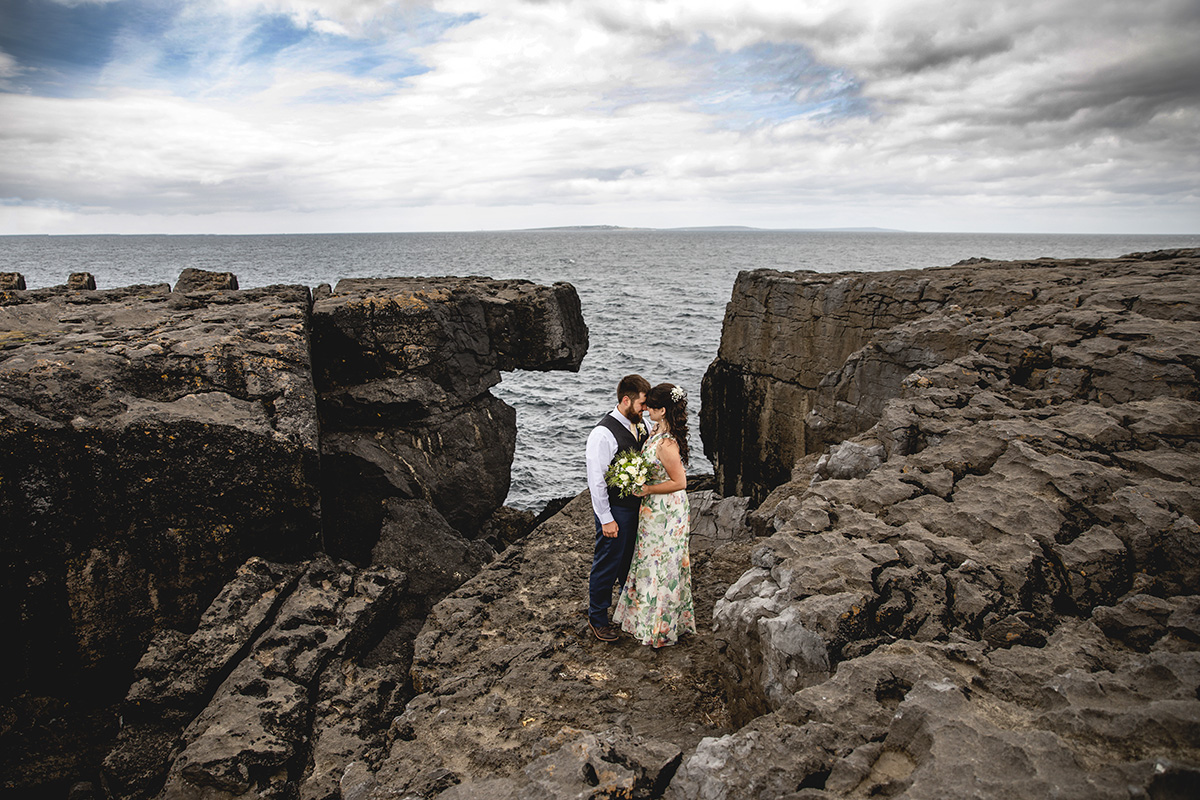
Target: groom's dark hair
<point>632,386</point>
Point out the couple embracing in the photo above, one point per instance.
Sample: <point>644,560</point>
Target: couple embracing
<point>642,540</point>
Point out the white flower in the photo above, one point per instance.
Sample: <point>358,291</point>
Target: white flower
<point>677,393</point>
<point>628,471</point>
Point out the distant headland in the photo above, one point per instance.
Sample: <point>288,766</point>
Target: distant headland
<point>713,229</point>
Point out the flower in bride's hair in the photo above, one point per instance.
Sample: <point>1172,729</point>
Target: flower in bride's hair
<point>677,393</point>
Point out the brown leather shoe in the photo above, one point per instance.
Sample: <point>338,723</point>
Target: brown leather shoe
<point>605,633</point>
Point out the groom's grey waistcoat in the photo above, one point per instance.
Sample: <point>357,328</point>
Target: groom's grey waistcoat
<point>625,441</point>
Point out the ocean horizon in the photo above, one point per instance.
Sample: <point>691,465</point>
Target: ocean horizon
<point>653,299</point>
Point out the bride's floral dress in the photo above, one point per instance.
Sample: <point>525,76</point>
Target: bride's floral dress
<point>656,605</point>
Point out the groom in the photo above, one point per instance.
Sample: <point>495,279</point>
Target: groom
<point>616,517</point>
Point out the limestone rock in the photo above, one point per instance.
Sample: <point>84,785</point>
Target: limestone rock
<point>611,764</point>
<point>506,662</point>
<point>198,280</point>
<point>948,720</point>
<point>12,281</point>
<point>152,440</point>
<point>404,368</point>
<point>149,444</point>
<point>716,521</point>
<point>83,281</point>
<point>261,689</point>
<point>791,341</point>
<point>977,609</point>
<point>403,348</point>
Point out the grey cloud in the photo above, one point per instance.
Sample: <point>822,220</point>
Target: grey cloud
<point>1115,97</point>
<point>922,52</point>
<point>1169,81</point>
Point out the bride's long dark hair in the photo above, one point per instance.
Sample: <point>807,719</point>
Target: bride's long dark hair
<point>664,396</point>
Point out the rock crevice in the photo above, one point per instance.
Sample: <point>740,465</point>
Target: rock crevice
<point>152,440</point>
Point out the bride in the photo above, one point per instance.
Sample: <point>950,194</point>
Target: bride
<point>656,603</point>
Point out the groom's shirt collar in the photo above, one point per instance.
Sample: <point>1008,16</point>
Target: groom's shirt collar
<point>616,412</point>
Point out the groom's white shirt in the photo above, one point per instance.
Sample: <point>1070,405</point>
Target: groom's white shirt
<point>601,447</point>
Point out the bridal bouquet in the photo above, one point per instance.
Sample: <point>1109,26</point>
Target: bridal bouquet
<point>628,472</point>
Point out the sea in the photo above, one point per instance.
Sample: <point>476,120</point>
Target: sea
<point>653,300</point>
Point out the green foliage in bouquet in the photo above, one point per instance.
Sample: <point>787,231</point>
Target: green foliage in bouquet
<point>628,472</point>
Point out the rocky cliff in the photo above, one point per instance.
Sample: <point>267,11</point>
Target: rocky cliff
<point>416,451</point>
<point>971,571</point>
<point>990,590</point>
<point>152,440</point>
<point>785,333</point>
<point>986,589</point>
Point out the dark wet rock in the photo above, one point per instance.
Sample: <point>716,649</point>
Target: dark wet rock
<point>457,461</point>
<point>438,557</point>
<point>81,281</point>
<point>148,445</point>
<point>199,280</point>
<point>405,348</point>
<point>508,526</point>
<point>268,694</point>
<point>152,440</point>
<point>404,369</point>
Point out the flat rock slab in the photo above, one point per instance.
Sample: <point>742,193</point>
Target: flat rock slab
<point>507,673</point>
<point>402,348</point>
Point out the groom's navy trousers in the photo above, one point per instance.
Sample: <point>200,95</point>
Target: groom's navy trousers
<point>610,562</point>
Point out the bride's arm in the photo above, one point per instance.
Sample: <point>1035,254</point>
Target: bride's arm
<point>668,454</point>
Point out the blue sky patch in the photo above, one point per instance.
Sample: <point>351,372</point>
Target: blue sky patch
<point>76,51</point>
<point>273,34</point>
<point>767,83</point>
<point>60,48</point>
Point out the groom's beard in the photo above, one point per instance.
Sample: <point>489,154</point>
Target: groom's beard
<point>633,417</point>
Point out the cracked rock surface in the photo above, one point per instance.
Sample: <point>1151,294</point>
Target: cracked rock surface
<point>152,440</point>
<point>990,590</point>
<point>271,695</point>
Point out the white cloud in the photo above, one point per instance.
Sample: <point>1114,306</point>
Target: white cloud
<point>8,69</point>
<point>629,112</point>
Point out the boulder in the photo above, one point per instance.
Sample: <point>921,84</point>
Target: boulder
<point>199,280</point>
<point>12,281</point>
<point>82,281</point>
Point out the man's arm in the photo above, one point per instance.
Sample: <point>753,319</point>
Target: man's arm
<point>601,447</point>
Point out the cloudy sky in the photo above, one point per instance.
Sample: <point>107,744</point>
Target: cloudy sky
<point>260,116</point>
